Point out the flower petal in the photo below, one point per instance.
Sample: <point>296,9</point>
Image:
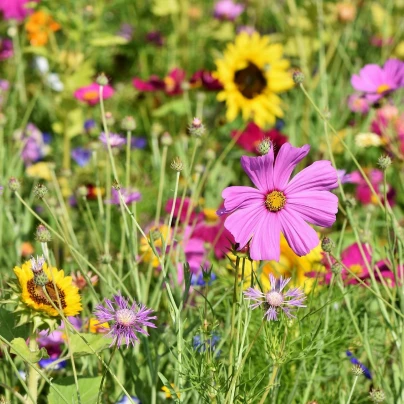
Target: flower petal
<point>299,235</point>
<point>287,159</point>
<point>265,244</point>
<point>260,170</point>
<point>241,197</point>
<point>319,176</point>
<point>316,207</point>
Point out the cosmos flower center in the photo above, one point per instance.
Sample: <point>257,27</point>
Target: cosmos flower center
<point>250,81</point>
<point>275,201</point>
<point>210,215</point>
<point>274,298</point>
<point>90,95</point>
<point>356,268</point>
<point>126,317</point>
<point>382,88</point>
<point>169,83</point>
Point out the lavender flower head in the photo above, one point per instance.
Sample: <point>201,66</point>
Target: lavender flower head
<point>275,299</point>
<point>227,10</point>
<point>128,196</point>
<point>115,140</point>
<point>125,320</point>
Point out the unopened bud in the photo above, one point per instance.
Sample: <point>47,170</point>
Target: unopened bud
<point>377,396</point>
<point>298,77</point>
<point>210,154</point>
<point>264,147</point>
<point>41,279</point>
<point>109,118</point>
<point>384,162</point>
<point>128,123</point>
<point>196,128</point>
<point>177,164</point>
<point>82,191</point>
<point>166,139</point>
<point>14,184</point>
<point>102,79</point>
<point>327,244</point>
<point>40,191</point>
<point>155,235</point>
<point>106,259</point>
<point>357,370</point>
<point>336,268</point>
<point>42,234</point>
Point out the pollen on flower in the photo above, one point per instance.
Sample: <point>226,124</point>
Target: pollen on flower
<point>275,201</point>
<point>90,95</point>
<point>382,88</point>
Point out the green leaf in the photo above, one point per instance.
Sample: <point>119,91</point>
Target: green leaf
<point>97,342</point>
<point>108,40</point>
<point>8,328</point>
<point>177,107</point>
<point>165,7</point>
<point>88,388</point>
<point>20,348</point>
<point>225,32</point>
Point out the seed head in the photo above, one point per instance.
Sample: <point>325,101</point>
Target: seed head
<point>166,139</point>
<point>14,184</point>
<point>298,77</point>
<point>128,123</point>
<point>102,79</point>
<point>357,370</point>
<point>196,128</point>
<point>177,164</point>
<point>40,191</point>
<point>264,147</point>
<point>377,396</point>
<point>327,244</point>
<point>42,234</point>
<point>336,268</point>
<point>384,162</point>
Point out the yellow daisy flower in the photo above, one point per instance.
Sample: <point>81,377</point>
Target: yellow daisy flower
<point>34,297</point>
<point>252,72</point>
<point>147,254</point>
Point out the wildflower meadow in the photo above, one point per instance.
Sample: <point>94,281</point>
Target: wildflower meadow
<point>202,201</point>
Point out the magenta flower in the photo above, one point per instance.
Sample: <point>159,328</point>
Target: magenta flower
<point>91,93</point>
<point>115,140</point>
<point>15,9</point>
<point>275,299</point>
<point>359,104</point>
<point>6,48</point>
<point>227,10</point>
<point>171,84</point>
<point>126,321</point>
<point>280,205</point>
<point>128,196</point>
<point>204,78</point>
<point>375,81</point>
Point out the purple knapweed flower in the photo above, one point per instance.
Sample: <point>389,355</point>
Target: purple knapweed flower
<point>125,320</point>
<point>115,140</point>
<point>227,10</point>
<point>280,205</point>
<point>375,81</point>
<point>81,156</point>
<point>128,196</point>
<point>275,299</point>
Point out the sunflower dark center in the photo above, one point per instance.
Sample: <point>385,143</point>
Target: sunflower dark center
<point>38,296</point>
<point>250,81</point>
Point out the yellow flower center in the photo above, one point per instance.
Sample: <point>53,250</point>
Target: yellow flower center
<point>250,81</point>
<point>169,83</point>
<point>210,215</point>
<point>356,268</point>
<point>382,88</point>
<point>90,95</point>
<point>38,296</point>
<point>275,201</point>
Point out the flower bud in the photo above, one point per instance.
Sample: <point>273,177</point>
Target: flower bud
<point>106,259</point>
<point>41,279</point>
<point>109,118</point>
<point>336,268</point>
<point>166,139</point>
<point>210,154</point>
<point>298,77</point>
<point>196,128</point>
<point>327,245</point>
<point>14,184</point>
<point>82,191</point>
<point>377,396</point>
<point>350,201</point>
<point>384,162</point>
<point>264,147</point>
<point>199,168</point>
<point>42,234</point>
<point>357,370</point>
<point>177,164</point>
<point>102,79</point>
<point>40,191</point>
<point>128,123</point>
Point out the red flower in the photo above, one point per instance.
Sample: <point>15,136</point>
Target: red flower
<point>204,78</point>
<point>171,84</point>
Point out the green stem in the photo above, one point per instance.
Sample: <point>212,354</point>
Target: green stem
<point>270,384</point>
<point>33,376</point>
<point>106,371</point>
<point>352,390</point>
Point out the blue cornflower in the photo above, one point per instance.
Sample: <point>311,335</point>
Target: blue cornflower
<point>356,361</point>
<point>138,143</point>
<point>81,156</point>
<point>198,280</point>
<point>210,343</point>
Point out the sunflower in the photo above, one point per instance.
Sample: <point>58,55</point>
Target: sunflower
<point>34,297</point>
<point>252,72</point>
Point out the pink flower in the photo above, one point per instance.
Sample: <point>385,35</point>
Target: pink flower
<point>227,10</point>
<point>15,9</point>
<point>91,93</point>
<point>128,195</point>
<point>182,214</point>
<point>115,140</point>
<point>375,81</point>
<point>6,48</point>
<point>253,135</point>
<point>279,205</point>
<point>171,84</point>
<point>359,104</point>
<point>204,78</point>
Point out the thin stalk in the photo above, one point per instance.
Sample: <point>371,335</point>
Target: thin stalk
<point>161,185</point>
<point>352,390</point>
<point>33,376</point>
<point>105,371</point>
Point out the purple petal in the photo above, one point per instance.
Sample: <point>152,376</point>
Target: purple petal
<point>240,197</point>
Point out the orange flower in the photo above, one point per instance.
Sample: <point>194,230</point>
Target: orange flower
<point>39,26</point>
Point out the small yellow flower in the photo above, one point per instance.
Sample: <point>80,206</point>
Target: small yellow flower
<point>146,251</point>
<point>33,295</point>
<point>368,139</point>
<point>40,170</point>
<point>167,391</point>
<point>95,327</point>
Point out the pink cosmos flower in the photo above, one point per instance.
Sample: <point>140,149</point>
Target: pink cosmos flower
<point>15,9</point>
<point>227,10</point>
<point>171,84</point>
<point>182,214</point>
<point>359,104</point>
<point>375,81</point>
<point>91,93</point>
<point>253,135</point>
<point>278,205</point>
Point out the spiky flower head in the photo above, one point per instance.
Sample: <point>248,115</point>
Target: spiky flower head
<point>166,139</point>
<point>336,268</point>
<point>276,300</point>
<point>125,320</point>
<point>298,77</point>
<point>197,128</point>
<point>176,164</point>
<point>357,370</point>
<point>327,244</point>
<point>384,162</point>
<point>42,234</point>
<point>102,79</point>
<point>377,396</point>
<point>264,147</point>
<point>40,191</point>
<point>128,123</point>
<point>14,184</point>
